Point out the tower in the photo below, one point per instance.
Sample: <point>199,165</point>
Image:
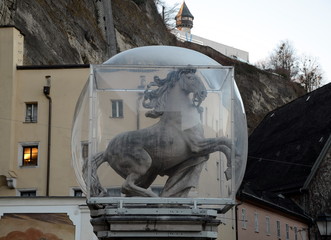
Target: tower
<point>184,19</point>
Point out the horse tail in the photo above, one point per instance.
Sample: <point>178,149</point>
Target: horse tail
<point>95,186</point>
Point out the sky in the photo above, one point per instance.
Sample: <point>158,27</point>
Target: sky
<point>258,26</point>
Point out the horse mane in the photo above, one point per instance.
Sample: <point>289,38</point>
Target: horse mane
<point>156,98</point>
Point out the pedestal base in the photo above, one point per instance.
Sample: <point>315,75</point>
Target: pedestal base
<point>199,225</point>
<point>154,220</point>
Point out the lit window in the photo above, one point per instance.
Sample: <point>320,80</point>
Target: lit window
<point>116,108</point>
<point>256,222</point>
<point>31,112</point>
<point>267,224</point>
<point>30,155</point>
<point>28,193</point>
<point>278,229</point>
<point>243,218</point>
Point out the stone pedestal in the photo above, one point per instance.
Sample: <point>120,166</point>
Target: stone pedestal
<point>125,218</point>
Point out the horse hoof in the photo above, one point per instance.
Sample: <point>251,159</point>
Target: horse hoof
<point>228,174</point>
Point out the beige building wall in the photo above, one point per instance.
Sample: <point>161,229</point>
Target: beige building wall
<point>11,54</point>
<point>66,85</point>
<point>252,224</point>
<point>22,86</point>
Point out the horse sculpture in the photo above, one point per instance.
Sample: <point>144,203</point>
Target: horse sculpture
<point>175,146</point>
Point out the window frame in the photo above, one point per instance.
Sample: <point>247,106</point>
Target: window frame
<point>21,191</point>
<point>256,222</point>
<point>278,229</point>
<point>243,218</point>
<point>74,190</point>
<point>24,145</point>
<point>34,115</point>
<point>267,226</point>
<point>85,149</point>
<point>295,229</point>
<point>114,191</point>
<point>287,231</point>
<point>119,108</point>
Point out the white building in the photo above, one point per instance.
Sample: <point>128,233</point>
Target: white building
<point>184,24</point>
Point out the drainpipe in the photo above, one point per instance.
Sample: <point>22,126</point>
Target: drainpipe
<point>46,91</point>
<point>236,219</point>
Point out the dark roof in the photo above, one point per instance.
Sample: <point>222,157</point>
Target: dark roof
<point>284,148</point>
<point>184,11</point>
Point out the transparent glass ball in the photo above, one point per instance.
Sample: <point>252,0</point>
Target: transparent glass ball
<point>124,97</point>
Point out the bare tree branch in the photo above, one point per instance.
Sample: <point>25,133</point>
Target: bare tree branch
<point>168,13</point>
<point>310,74</point>
<point>283,60</point>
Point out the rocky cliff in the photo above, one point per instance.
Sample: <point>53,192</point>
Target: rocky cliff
<point>73,32</point>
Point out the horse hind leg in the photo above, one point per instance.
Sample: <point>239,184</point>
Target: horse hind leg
<point>130,188</point>
<point>183,178</point>
<point>137,164</point>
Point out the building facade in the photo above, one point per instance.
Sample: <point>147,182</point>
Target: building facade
<point>261,219</point>
<point>39,193</point>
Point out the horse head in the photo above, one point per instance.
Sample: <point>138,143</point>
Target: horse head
<point>191,83</point>
<point>188,81</point>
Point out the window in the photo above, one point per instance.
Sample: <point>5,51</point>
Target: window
<point>157,190</point>
<point>31,112</point>
<point>243,218</point>
<point>278,229</point>
<point>287,228</point>
<point>116,108</point>
<point>28,193</point>
<point>29,155</point>
<point>84,150</point>
<point>267,225</point>
<point>78,193</point>
<point>114,192</point>
<point>295,233</point>
<point>256,222</point>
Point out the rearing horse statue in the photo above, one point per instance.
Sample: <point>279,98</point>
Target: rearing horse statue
<point>175,146</point>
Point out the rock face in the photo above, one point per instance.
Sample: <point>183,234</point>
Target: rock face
<point>57,32</point>
<point>139,25</point>
<point>72,32</point>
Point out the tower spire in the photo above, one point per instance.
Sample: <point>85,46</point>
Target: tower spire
<point>184,19</point>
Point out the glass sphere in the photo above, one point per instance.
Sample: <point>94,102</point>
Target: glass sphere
<point>172,116</point>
